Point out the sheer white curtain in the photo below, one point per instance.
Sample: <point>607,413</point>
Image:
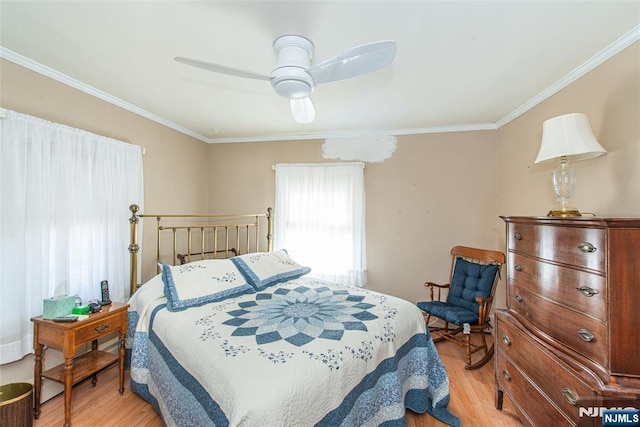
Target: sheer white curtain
<point>320,219</point>
<point>64,198</point>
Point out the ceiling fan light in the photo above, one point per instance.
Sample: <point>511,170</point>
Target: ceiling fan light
<point>302,110</point>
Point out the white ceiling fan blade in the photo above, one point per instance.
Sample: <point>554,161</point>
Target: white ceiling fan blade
<point>302,110</point>
<point>210,66</point>
<point>354,62</point>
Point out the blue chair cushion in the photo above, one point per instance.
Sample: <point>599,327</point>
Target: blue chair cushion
<point>449,313</point>
<point>469,281</point>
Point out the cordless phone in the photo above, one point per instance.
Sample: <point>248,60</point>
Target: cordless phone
<point>104,292</point>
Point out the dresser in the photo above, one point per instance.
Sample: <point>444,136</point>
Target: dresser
<point>568,342</point>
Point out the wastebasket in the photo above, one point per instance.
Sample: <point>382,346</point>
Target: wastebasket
<point>16,405</point>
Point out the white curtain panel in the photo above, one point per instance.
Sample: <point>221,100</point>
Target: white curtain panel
<point>64,215</point>
<point>320,219</point>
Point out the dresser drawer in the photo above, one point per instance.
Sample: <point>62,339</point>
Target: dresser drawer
<point>583,291</point>
<point>537,410</point>
<point>580,247</point>
<point>582,333</point>
<point>103,326</point>
<point>523,356</point>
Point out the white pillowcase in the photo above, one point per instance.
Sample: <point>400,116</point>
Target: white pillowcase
<point>201,282</point>
<point>264,269</point>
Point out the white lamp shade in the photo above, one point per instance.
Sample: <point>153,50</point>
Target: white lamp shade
<point>568,136</point>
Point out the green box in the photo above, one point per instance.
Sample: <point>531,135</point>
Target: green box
<point>83,309</point>
<point>57,306</point>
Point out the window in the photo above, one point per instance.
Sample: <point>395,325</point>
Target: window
<point>64,199</point>
<point>320,219</point>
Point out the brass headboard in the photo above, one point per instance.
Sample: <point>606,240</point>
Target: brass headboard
<point>220,234</point>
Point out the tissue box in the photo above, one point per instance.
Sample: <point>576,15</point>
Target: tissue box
<point>57,306</point>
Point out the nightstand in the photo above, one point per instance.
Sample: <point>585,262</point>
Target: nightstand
<point>68,337</point>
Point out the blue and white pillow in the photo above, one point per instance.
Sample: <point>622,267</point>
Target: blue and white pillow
<point>264,269</point>
<point>202,282</point>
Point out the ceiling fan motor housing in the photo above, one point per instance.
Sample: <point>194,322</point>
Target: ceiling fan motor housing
<point>290,78</point>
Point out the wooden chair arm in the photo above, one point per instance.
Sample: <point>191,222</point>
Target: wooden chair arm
<point>431,285</point>
<point>485,308</point>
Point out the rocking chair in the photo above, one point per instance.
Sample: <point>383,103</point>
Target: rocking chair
<point>474,276</point>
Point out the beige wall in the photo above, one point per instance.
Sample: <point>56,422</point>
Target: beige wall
<point>174,164</point>
<point>607,186</point>
<point>438,190</point>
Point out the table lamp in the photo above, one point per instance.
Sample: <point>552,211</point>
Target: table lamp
<point>567,138</point>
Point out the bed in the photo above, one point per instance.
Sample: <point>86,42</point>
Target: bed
<point>256,340</point>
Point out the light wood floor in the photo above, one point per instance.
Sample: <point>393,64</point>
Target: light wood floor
<point>472,400</point>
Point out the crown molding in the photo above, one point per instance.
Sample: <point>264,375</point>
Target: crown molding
<point>32,65</point>
<point>23,61</point>
<point>357,133</point>
<point>614,48</point>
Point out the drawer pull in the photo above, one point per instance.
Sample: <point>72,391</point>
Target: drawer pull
<point>518,298</point>
<point>570,396</point>
<point>586,247</point>
<point>586,335</point>
<point>518,267</point>
<point>506,340</point>
<point>587,291</point>
<point>506,374</point>
<point>518,236</point>
<point>100,329</point>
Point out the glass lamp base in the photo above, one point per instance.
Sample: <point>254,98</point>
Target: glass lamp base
<point>564,182</point>
<point>570,212</point>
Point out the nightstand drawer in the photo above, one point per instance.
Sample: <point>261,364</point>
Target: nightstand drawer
<point>580,247</point>
<point>103,326</point>
<point>530,359</point>
<point>577,289</point>
<point>582,333</point>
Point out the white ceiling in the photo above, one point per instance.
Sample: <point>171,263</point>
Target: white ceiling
<point>459,64</point>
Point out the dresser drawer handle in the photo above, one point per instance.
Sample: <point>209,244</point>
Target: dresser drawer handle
<point>586,247</point>
<point>587,291</point>
<point>506,374</point>
<point>518,267</point>
<point>506,340</point>
<point>570,396</point>
<point>518,236</point>
<point>586,335</point>
<point>100,329</point>
<point>518,298</point>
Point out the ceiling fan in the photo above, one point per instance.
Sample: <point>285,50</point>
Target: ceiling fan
<point>295,78</point>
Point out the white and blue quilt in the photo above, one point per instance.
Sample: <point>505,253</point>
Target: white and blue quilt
<point>304,352</point>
